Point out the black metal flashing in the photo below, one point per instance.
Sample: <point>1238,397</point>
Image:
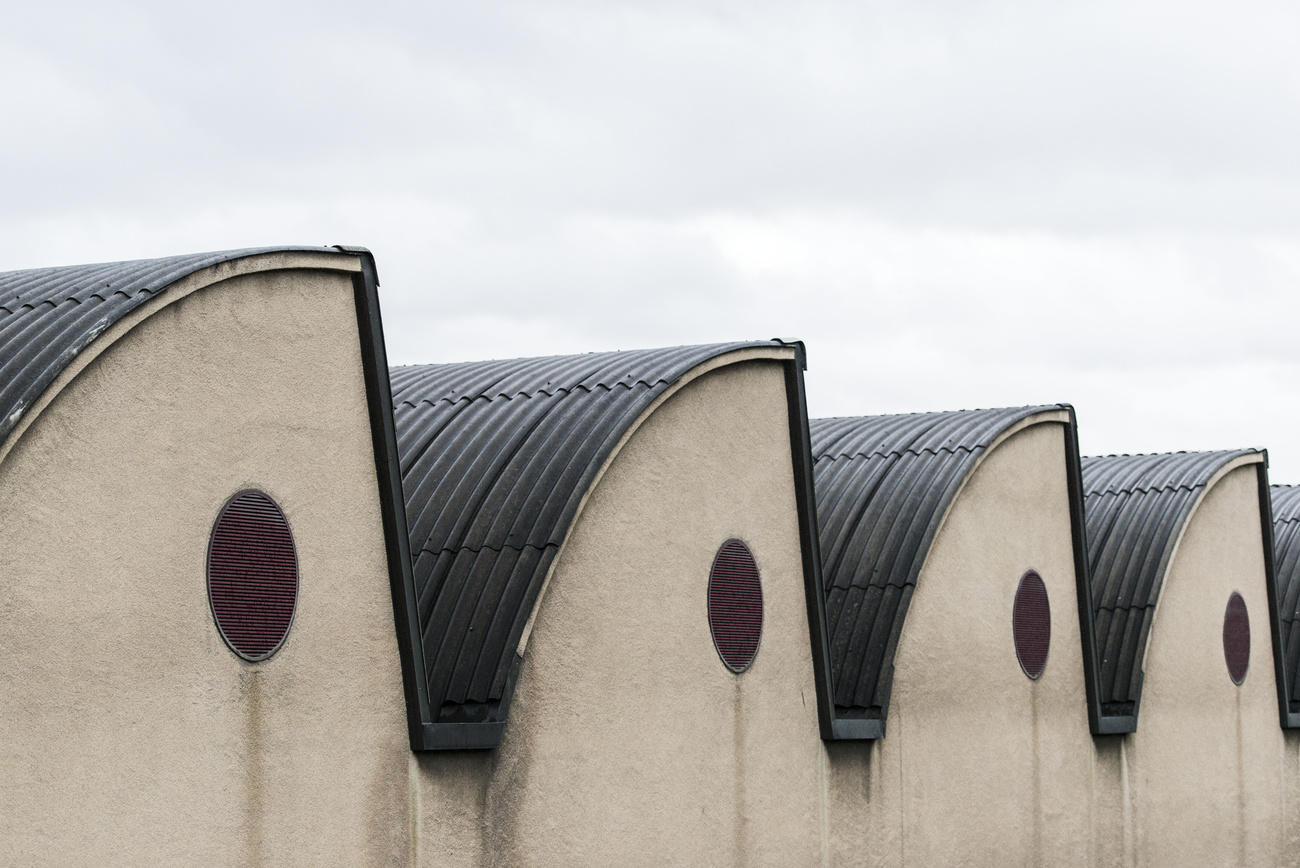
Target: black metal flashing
<point>832,728</point>
<point>1137,507</point>
<point>1099,723</point>
<point>379,403</point>
<point>496,458</point>
<point>883,486</point>
<point>1284,599</point>
<point>50,315</point>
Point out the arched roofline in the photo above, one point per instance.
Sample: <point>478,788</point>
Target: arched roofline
<point>348,260</point>
<point>430,731</point>
<point>1062,416</point>
<point>871,722</point>
<point>1287,719</point>
<point>1214,479</point>
<point>1125,723</point>
<point>773,353</point>
<point>1046,417</point>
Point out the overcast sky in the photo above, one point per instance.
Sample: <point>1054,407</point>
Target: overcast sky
<point>954,205</point>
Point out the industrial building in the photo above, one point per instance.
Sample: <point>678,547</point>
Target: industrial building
<point>270,601</point>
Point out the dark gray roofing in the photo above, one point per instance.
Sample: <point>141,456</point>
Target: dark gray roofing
<point>1286,545</point>
<point>883,485</point>
<point>1136,506</point>
<point>495,457</point>
<point>49,315</point>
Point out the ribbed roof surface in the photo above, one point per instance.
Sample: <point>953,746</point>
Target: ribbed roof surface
<point>883,485</point>
<point>495,457</point>
<point>49,315</point>
<point>1136,506</point>
<point>1286,547</point>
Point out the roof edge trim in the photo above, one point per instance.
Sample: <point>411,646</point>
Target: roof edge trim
<point>1099,723</point>
<point>805,496</point>
<point>392,502</point>
<point>1286,718</point>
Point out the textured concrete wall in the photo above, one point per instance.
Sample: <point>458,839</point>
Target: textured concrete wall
<point>629,742</point>
<point>128,728</point>
<point>980,765</point>
<point>1201,781</point>
<point>1291,795</point>
<point>129,733</point>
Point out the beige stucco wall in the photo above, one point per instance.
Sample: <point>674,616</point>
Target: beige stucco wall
<point>1200,781</point>
<point>629,742</point>
<point>980,765</point>
<point>1291,793</point>
<point>129,733</point>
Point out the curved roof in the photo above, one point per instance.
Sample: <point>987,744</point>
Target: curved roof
<point>884,485</point>
<point>1136,508</point>
<point>496,458</point>
<point>50,315</point>
<point>1286,548</point>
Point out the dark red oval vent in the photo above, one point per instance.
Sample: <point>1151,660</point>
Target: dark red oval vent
<point>252,575</point>
<point>1031,624</point>
<point>1236,638</point>
<point>735,605</point>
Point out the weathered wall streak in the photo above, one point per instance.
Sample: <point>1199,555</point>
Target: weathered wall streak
<point>1203,766</point>
<point>127,727</point>
<point>980,762</point>
<point>629,741</point>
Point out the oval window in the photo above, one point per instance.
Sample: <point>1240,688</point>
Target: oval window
<point>1031,624</point>
<point>1236,638</point>
<point>252,575</point>
<point>735,605</point>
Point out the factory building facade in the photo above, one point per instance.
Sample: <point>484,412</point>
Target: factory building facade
<point>270,601</point>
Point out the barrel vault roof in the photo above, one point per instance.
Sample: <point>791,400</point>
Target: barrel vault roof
<point>495,459</point>
<point>883,486</point>
<point>1137,507</point>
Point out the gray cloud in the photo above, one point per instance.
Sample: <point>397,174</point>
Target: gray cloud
<point>954,204</point>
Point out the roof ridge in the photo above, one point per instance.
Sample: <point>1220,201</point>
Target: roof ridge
<point>951,450</point>
<point>952,412</point>
<point>487,548</point>
<point>1146,489</point>
<point>1244,450</point>
<point>1102,607</point>
<point>725,347</point>
<point>561,390</point>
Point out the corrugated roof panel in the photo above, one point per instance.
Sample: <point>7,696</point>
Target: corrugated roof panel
<point>1286,545</point>
<point>883,485</point>
<point>1136,507</point>
<point>495,458</point>
<point>49,315</point>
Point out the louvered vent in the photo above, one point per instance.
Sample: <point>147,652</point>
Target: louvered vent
<point>252,575</point>
<point>735,605</point>
<point>1031,624</point>
<point>1236,638</point>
